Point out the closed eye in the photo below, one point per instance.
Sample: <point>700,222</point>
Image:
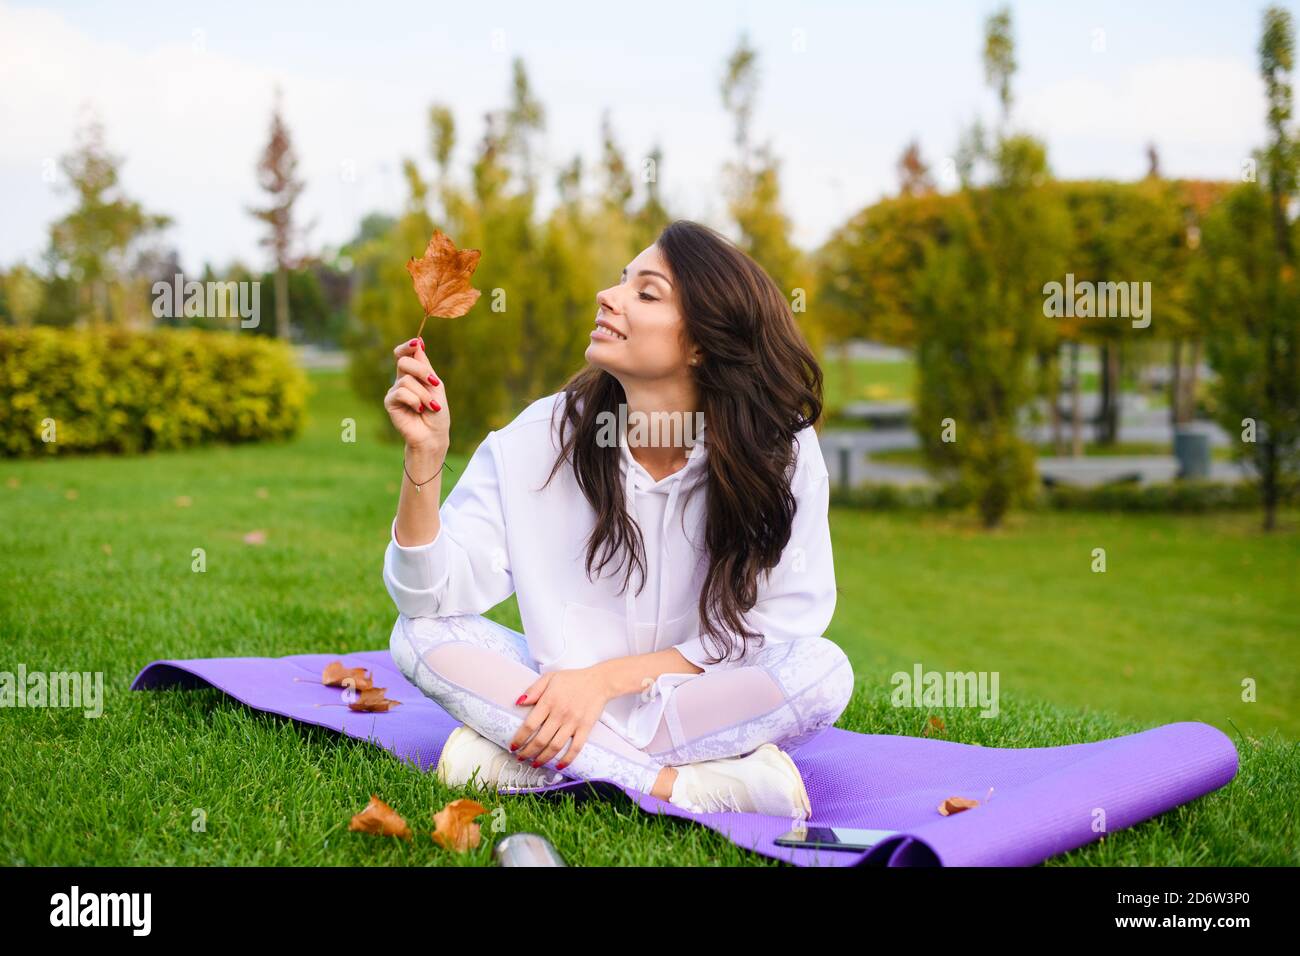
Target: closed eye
<point>649,298</point>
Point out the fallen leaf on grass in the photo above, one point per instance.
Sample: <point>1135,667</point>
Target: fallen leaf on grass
<point>441,278</point>
<point>336,675</point>
<point>957,805</point>
<point>454,825</point>
<point>378,817</point>
<point>934,724</point>
<point>372,700</point>
<point>183,501</point>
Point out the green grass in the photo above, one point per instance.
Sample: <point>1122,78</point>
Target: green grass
<point>1189,607</point>
<point>915,457</point>
<point>874,381</point>
<point>887,381</point>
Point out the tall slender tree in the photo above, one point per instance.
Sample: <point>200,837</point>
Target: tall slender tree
<point>1248,295</point>
<point>277,175</point>
<point>754,194</point>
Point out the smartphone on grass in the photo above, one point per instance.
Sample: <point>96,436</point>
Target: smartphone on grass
<point>833,838</point>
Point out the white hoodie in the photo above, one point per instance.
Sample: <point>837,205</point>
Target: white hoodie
<point>501,535</point>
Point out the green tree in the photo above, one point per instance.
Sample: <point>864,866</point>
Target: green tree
<point>21,296</point>
<point>1247,295</point>
<point>652,215</point>
<point>753,187</point>
<point>90,246</point>
<point>525,335</point>
<point>979,305</point>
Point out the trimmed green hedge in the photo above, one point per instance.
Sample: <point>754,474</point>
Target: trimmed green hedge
<point>1179,496</point>
<point>123,391</point>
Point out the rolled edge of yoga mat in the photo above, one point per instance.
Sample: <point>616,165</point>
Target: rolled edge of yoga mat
<point>1121,782</point>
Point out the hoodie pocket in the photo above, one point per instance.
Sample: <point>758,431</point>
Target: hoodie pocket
<point>590,635</point>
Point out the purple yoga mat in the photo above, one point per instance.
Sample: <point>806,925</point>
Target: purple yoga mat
<point>1045,800</point>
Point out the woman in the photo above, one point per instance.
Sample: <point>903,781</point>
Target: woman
<point>724,527</point>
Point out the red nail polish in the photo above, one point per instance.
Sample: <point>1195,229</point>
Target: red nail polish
<point>514,747</point>
<point>536,764</point>
<point>411,344</point>
<point>435,406</point>
<point>433,380</point>
<point>560,766</point>
<point>522,698</point>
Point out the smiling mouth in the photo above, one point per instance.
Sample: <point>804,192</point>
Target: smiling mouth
<point>605,332</point>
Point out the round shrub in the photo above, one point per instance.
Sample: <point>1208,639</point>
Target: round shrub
<point>124,391</point>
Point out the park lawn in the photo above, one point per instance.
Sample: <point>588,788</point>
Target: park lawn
<point>874,381</point>
<point>102,581</point>
<point>916,457</point>
<point>881,380</point>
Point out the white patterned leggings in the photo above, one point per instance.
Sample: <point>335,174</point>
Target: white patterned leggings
<point>475,669</point>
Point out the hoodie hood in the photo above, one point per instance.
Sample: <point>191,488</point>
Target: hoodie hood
<point>635,476</point>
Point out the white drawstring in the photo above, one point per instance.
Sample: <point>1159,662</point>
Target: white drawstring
<point>630,503</point>
<point>630,602</point>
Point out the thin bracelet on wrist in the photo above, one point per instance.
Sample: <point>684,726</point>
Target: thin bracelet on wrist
<point>419,484</point>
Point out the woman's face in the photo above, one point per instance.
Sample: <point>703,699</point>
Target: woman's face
<point>648,334</point>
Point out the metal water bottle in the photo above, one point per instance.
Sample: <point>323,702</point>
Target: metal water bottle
<point>526,849</point>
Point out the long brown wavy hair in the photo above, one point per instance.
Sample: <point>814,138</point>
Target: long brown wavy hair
<point>758,384</point>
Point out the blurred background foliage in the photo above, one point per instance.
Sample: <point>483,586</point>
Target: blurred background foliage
<point>954,273</point>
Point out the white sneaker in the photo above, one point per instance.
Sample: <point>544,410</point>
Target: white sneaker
<point>467,751</point>
<point>765,781</point>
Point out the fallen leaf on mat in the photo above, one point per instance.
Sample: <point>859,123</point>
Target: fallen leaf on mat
<point>336,675</point>
<point>378,817</point>
<point>372,700</point>
<point>441,278</point>
<point>454,826</point>
<point>957,805</point>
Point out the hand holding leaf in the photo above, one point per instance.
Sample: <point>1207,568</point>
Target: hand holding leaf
<point>441,280</point>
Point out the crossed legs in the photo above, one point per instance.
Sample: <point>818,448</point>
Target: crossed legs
<point>475,669</point>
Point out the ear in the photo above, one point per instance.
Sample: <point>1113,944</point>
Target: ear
<point>695,356</point>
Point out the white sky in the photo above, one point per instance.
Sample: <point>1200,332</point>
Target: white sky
<point>185,89</point>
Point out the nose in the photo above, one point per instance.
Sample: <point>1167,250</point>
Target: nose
<point>605,298</point>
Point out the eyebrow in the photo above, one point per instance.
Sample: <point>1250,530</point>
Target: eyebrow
<point>651,272</point>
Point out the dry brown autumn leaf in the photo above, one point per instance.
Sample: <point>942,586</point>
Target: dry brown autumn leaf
<point>441,277</point>
<point>933,724</point>
<point>378,817</point>
<point>372,700</point>
<point>957,805</point>
<point>336,675</point>
<point>454,826</point>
